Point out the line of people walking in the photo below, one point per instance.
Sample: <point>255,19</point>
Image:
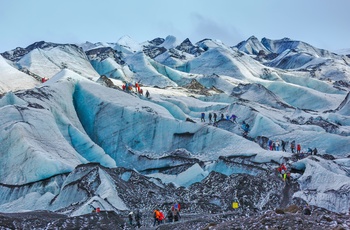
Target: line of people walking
<point>128,87</point>
<point>213,117</point>
<point>294,148</point>
<point>276,145</point>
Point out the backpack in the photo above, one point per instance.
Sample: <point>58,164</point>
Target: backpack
<point>307,211</point>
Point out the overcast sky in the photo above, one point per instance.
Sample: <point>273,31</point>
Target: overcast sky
<point>321,23</point>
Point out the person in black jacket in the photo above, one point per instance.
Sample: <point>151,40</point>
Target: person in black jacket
<point>138,218</point>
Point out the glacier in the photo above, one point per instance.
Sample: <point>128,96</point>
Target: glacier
<point>73,143</point>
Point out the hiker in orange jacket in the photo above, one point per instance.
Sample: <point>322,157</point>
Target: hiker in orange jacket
<point>156,216</point>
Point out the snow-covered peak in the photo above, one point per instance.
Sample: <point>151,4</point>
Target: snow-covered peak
<point>87,46</point>
<point>281,45</point>
<point>170,42</point>
<point>252,46</point>
<point>41,45</point>
<point>129,43</point>
<point>210,43</point>
<point>56,58</point>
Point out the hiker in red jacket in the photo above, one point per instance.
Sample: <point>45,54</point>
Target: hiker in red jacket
<point>298,148</point>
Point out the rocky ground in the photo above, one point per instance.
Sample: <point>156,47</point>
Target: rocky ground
<point>265,202</point>
<point>50,220</point>
<point>288,218</point>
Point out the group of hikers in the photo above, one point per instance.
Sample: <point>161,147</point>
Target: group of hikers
<point>213,117</point>
<point>284,173</point>
<point>137,216</point>
<point>277,146</point>
<point>271,144</point>
<point>172,215</point>
<point>128,87</point>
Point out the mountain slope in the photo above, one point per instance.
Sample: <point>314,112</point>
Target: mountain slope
<point>12,79</point>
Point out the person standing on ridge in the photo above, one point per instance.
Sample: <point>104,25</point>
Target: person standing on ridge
<point>292,146</point>
<point>288,177</point>
<point>137,87</point>
<point>176,206</point>
<point>210,116</point>
<point>283,171</point>
<point>138,218</point>
<point>298,148</point>
<point>215,117</point>
<point>282,167</point>
<point>277,145</point>
<point>245,128</point>
<point>176,215</point>
<point>156,216</point>
<point>233,117</point>
<point>170,216</point>
<point>147,94</point>
<point>161,217</point>
<point>130,218</point>
<point>176,211</point>
<point>309,151</point>
<point>284,176</point>
<point>269,143</point>
<point>202,117</point>
<point>283,146</point>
